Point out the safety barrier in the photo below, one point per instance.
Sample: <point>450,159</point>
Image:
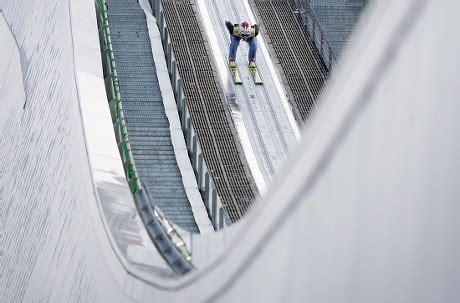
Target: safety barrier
<point>315,31</point>
<point>206,185</point>
<point>167,240</point>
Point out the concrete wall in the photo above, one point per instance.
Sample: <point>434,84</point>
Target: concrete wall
<point>55,247</point>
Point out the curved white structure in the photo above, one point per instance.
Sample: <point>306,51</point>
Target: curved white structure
<point>365,209</point>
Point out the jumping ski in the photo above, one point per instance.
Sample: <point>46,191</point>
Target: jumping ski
<point>255,75</point>
<point>235,74</point>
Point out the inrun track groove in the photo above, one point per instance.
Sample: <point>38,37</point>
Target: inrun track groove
<point>209,114</point>
<point>300,61</point>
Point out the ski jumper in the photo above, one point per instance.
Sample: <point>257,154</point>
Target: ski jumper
<point>248,34</point>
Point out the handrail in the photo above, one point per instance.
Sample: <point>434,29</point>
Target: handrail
<point>316,33</point>
<point>164,236</point>
<point>206,185</point>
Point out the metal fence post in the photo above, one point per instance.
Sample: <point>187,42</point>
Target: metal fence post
<point>214,208</point>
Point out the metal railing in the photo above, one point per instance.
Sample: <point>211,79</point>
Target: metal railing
<point>167,240</point>
<point>315,31</point>
<point>206,185</point>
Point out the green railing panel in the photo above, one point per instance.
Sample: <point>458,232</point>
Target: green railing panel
<point>121,132</point>
<point>112,86</point>
<point>125,150</point>
<point>134,185</point>
<point>130,170</point>
<point>115,109</point>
